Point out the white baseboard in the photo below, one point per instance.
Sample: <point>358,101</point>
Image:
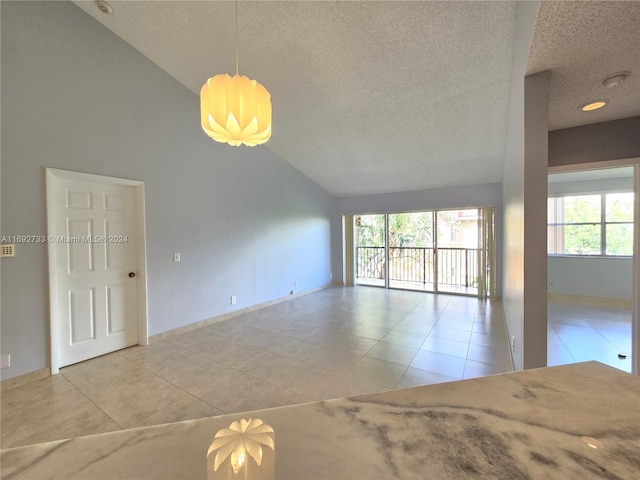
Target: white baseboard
<point>25,378</point>
<point>226,316</point>
<point>585,300</point>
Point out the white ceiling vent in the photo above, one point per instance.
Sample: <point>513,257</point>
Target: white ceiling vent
<point>104,7</point>
<point>615,80</point>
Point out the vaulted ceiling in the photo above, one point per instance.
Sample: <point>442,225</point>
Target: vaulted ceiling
<point>374,96</point>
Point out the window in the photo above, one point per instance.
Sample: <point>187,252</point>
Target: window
<point>595,224</point>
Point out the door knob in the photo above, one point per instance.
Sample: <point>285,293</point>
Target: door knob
<point>131,274</point>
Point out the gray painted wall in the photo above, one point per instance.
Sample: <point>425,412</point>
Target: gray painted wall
<point>536,133</point>
<point>597,142</point>
<point>514,200</point>
<point>482,195</point>
<point>76,97</point>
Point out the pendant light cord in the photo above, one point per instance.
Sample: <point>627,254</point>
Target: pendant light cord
<point>236,37</point>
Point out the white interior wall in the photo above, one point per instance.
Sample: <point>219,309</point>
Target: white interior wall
<point>592,186</point>
<point>591,277</point>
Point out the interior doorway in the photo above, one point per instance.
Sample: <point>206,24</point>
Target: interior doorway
<point>592,264</point>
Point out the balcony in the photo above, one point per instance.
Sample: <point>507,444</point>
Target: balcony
<point>447,270</point>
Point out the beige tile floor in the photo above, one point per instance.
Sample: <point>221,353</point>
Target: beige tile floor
<point>579,330</point>
<point>333,343</point>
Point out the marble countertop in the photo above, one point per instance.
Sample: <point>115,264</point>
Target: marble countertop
<point>523,425</point>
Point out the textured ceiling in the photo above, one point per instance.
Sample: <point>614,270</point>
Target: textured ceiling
<point>583,43</point>
<point>372,97</point>
<point>368,97</point>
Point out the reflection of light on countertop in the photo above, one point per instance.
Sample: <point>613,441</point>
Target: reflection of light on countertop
<point>242,445</point>
<point>593,443</point>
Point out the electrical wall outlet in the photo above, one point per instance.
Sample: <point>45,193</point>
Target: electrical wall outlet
<point>5,361</point>
<point>176,257</point>
<point>234,299</point>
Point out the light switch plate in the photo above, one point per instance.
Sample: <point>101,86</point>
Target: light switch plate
<point>5,361</point>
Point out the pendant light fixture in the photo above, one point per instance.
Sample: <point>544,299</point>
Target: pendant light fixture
<point>235,110</point>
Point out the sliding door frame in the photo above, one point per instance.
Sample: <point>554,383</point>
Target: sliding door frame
<point>351,257</point>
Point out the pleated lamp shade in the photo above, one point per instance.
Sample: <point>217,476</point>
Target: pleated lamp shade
<point>235,110</point>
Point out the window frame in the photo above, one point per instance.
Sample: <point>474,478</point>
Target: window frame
<point>603,223</point>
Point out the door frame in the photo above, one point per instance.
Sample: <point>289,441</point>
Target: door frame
<point>635,301</point>
<point>52,176</point>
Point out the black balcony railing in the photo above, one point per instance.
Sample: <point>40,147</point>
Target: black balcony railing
<point>455,266</point>
<point>370,263</point>
<point>458,266</point>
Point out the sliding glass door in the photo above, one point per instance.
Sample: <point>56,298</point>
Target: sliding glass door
<point>371,252</point>
<point>411,251</point>
<point>457,250</point>
<point>449,251</point>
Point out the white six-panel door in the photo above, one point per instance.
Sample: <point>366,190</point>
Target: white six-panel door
<point>93,249</point>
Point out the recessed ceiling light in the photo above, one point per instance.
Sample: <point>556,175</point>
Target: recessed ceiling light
<point>593,105</point>
<point>104,7</point>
